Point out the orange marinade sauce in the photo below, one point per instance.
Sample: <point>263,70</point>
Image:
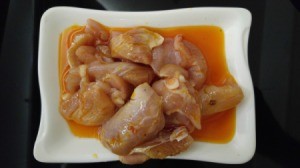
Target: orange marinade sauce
<point>217,128</point>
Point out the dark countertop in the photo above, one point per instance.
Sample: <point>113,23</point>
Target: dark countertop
<point>274,60</point>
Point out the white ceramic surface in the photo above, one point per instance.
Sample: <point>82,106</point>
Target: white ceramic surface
<point>55,142</point>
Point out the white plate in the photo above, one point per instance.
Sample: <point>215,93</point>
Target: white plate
<point>55,142</point>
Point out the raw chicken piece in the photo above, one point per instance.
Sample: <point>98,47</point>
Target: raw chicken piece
<point>86,54</point>
<point>179,97</point>
<point>168,143</point>
<point>104,86</point>
<point>220,98</point>
<point>82,49</point>
<point>114,86</point>
<point>114,33</point>
<point>72,80</point>
<point>183,53</point>
<point>197,66</point>
<point>89,106</point>
<point>137,121</point>
<point>179,119</point>
<point>120,89</point>
<point>95,107</point>
<point>130,72</point>
<point>172,70</point>
<point>165,54</point>
<point>133,159</point>
<point>97,30</point>
<point>89,54</point>
<point>103,53</point>
<point>69,105</point>
<point>135,45</point>
<point>79,40</point>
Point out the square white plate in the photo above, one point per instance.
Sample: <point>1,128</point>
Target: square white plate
<point>55,142</point>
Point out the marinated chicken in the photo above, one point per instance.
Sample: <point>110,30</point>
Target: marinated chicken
<point>90,105</point>
<point>220,98</point>
<point>147,93</point>
<point>167,143</point>
<point>137,121</point>
<point>183,53</point>
<point>135,45</point>
<point>130,72</point>
<point>180,97</point>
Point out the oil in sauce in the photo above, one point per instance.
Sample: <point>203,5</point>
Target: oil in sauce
<point>217,128</point>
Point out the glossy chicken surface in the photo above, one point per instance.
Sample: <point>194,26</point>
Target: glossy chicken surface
<point>219,98</point>
<point>139,120</point>
<point>180,97</point>
<point>183,53</point>
<point>88,106</point>
<point>135,45</point>
<point>167,143</point>
<point>147,93</point>
<point>130,72</point>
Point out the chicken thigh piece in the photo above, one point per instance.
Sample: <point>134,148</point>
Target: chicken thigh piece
<point>83,39</point>
<point>165,54</point>
<point>195,61</point>
<point>180,52</point>
<point>168,143</point>
<point>130,72</point>
<point>180,97</point>
<point>138,121</point>
<point>90,105</point>
<point>120,90</point>
<point>97,30</point>
<point>135,45</point>
<point>220,98</point>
